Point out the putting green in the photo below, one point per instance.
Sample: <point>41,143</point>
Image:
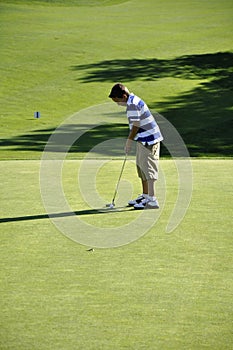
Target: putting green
<point>56,294</point>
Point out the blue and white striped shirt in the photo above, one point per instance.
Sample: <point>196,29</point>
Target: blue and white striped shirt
<point>137,111</point>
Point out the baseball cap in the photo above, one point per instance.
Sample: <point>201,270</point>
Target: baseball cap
<point>118,90</point>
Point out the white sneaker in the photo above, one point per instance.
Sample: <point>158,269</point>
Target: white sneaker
<point>152,205</point>
<point>136,201</point>
<point>146,203</point>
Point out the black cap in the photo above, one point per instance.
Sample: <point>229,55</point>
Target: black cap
<point>118,90</point>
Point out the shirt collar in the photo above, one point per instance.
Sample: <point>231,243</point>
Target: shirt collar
<point>131,96</point>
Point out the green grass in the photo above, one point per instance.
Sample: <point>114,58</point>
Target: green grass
<point>78,3</point>
<point>58,60</point>
<point>165,291</point>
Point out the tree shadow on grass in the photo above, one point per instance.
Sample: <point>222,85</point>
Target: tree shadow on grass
<point>92,136</point>
<point>202,116</point>
<point>204,66</point>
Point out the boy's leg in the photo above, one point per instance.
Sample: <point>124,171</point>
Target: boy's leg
<point>148,187</point>
<point>151,187</point>
<point>147,166</point>
<point>145,188</point>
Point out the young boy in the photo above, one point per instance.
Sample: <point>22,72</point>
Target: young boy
<point>145,131</point>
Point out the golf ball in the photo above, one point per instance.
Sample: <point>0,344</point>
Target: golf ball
<point>111,206</point>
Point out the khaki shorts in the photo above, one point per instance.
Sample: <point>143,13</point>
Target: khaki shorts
<point>147,160</point>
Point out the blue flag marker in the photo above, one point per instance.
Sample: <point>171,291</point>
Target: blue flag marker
<point>37,115</point>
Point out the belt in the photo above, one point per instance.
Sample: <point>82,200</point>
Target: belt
<point>151,145</point>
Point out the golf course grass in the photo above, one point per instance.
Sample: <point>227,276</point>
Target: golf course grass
<point>164,291</point>
<point>160,291</point>
<point>58,60</point>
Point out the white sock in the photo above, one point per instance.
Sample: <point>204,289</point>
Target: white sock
<point>145,195</point>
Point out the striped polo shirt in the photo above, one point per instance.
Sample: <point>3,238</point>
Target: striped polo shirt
<point>137,111</point>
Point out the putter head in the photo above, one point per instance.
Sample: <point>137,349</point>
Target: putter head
<point>110,205</point>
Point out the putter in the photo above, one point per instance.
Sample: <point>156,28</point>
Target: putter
<point>112,205</point>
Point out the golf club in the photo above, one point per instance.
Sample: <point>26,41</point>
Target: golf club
<point>112,205</point>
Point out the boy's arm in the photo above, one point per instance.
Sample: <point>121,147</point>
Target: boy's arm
<point>132,134</point>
